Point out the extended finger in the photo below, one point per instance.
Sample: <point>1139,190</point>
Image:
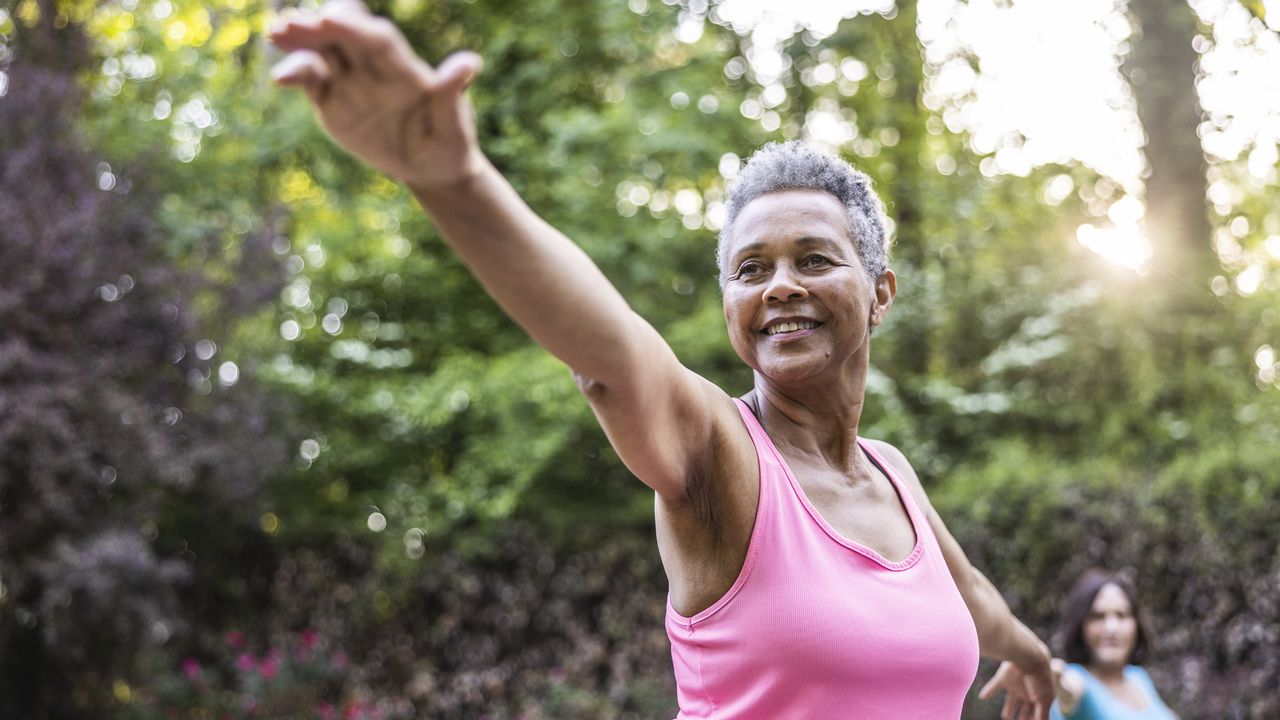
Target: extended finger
<point>353,40</point>
<point>305,69</point>
<point>995,683</point>
<point>336,22</point>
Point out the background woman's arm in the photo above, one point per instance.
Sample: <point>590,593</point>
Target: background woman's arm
<point>1068,686</point>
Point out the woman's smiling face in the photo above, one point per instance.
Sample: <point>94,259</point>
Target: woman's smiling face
<point>797,299</point>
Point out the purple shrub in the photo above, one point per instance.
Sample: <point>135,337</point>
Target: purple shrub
<point>110,423</point>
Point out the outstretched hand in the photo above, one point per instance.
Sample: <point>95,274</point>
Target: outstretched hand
<point>1028,695</point>
<point>377,98</point>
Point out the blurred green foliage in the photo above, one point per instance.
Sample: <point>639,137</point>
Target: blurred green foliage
<point>451,514</point>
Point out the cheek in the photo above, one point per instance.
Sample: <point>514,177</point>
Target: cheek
<point>741,300</point>
<point>737,321</point>
<point>732,313</point>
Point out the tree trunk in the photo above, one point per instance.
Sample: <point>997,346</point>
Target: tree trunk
<point>1162,70</point>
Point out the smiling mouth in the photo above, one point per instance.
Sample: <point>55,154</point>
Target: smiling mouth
<point>787,327</point>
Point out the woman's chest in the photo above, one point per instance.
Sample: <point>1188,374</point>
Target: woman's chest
<point>1125,699</point>
<point>867,513</point>
<point>835,620</point>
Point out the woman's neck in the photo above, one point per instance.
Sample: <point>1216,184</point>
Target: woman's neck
<point>818,424</point>
<point>1108,673</point>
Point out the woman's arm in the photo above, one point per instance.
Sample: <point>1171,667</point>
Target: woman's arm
<point>391,109</point>
<point>1068,686</point>
<point>1026,674</point>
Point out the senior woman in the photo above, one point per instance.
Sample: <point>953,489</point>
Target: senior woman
<point>809,575</point>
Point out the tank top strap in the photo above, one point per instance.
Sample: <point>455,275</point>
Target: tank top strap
<point>772,469</point>
<point>759,437</point>
<point>774,473</point>
<point>909,501</point>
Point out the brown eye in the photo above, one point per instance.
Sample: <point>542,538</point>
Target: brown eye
<point>815,261</point>
<point>748,269</point>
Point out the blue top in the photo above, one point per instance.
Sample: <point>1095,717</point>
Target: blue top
<point>1099,704</point>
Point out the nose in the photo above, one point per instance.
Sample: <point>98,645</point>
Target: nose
<point>785,286</point>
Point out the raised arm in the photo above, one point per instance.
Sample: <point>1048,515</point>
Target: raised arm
<point>1026,674</point>
<point>414,122</point>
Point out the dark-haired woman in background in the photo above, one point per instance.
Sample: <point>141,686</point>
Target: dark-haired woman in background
<point>1104,639</point>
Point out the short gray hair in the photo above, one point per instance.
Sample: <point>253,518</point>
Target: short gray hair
<point>795,165</point>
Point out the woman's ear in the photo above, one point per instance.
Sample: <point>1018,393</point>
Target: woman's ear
<point>886,287</point>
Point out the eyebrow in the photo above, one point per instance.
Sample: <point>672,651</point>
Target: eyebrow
<point>805,242</point>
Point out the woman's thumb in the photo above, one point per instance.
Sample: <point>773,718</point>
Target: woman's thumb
<point>458,70</point>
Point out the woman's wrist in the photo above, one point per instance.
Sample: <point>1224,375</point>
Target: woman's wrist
<point>457,186</point>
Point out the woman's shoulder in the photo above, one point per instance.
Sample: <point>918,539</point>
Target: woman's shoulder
<point>1091,683</point>
<point>1139,675</point>
<point>893,457</point>
<point>1081,671</point>
<point>901,468</point>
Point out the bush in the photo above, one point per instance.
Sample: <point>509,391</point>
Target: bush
<point>1197,537</point>
<point>300,678</point>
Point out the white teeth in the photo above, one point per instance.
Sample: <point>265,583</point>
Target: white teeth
<point>791,327</point>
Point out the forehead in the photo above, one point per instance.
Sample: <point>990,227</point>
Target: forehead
<point>1110,598</point>
<point>789,215</point>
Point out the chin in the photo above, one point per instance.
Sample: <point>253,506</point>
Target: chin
<point>1113,659</point>
<point>792,371</point>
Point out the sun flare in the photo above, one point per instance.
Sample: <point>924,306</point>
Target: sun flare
<point>1123,244</point>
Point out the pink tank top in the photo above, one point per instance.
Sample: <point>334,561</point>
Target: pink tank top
<point>817,627</point>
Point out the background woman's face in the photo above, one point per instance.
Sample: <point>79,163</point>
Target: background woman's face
<point>1110,629</point>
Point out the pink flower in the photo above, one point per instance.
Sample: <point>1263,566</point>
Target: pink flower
<point>246,663</point>
<point>234,639</point>
<point>325,711</point>
<point>269,666</point>
<point>190,668</point>
<point>307,639</point>
<point>363,710</point>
